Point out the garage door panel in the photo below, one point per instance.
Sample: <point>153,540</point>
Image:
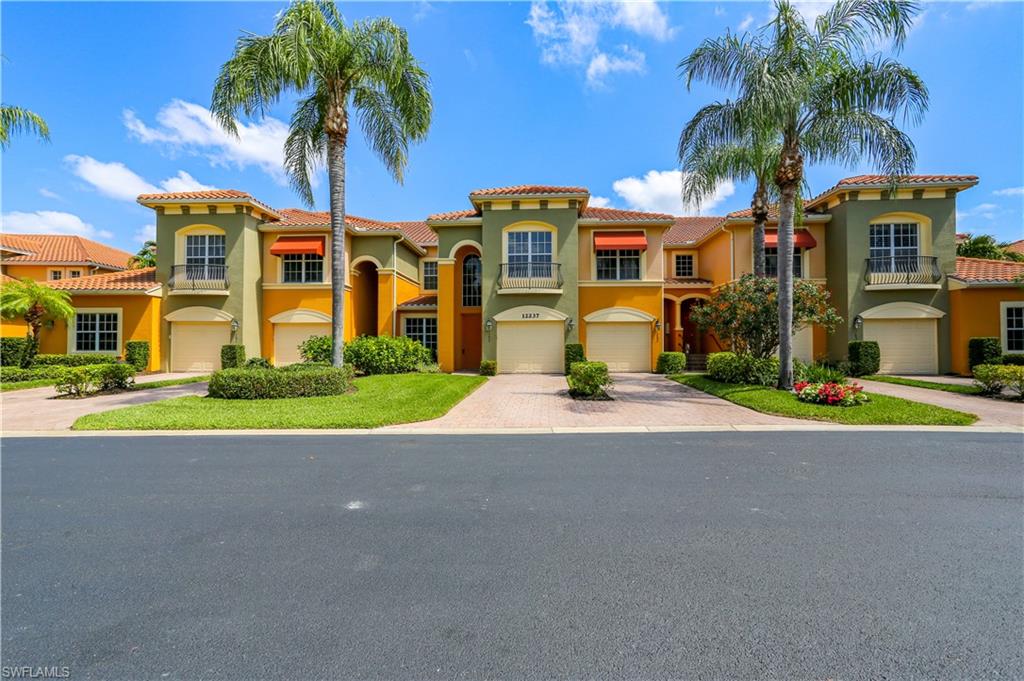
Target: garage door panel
<point>196,346</point>
<point>531,347</point>
<point>906,346</point>
<point>624,347</point>
<point>288,337</point>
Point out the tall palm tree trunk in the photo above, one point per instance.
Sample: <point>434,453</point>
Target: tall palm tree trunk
<point>787,205</point>
<point>336,179</point>
<point>759,211</point>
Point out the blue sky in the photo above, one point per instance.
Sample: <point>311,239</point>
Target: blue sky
<point>524,93</point>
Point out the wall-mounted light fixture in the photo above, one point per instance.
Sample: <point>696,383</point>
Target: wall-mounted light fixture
<point>858,322</point>
<point>234,325</point>
<point>570,323</point>
<point>489,325</point>
<point>657,325</point>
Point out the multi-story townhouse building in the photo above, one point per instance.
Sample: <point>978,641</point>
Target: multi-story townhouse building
<point>53,257</point>
<point>524,270</point>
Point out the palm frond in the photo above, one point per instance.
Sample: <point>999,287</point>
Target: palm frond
<point>16,120</point>
<point>882,85</point>
<point>849,136</point>
<point>305,148</point>
<point>855,25</point>
<point>724,62</point>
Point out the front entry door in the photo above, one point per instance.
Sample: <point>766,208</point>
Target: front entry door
<point>469,353</point>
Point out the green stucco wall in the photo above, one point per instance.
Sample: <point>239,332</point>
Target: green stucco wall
<point>408,263</point>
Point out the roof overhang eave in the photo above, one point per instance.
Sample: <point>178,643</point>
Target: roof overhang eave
<point>262,207</point>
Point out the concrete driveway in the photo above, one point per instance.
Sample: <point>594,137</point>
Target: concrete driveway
<point>641,400</point>
<point>990,411</point>
<point>40,409</point>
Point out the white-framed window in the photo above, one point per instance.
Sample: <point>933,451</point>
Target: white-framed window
<point>894,247</point>
<point>1011,318</point>
<point>56,275</point>
<point>97,331</point>
<point>618,265</point>
<point>429,275</point>
<point>74,274</point>
<point>204,256</point>
<point>472,295</point>
<point>684,265</point>
<point>529,254</point>
<point>423,329</point>
<point>302,268</point>
<point>771,262</point>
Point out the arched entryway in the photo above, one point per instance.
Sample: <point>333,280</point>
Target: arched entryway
<point>681,333</point>
<point>364,297</point>
<point>468,308</point>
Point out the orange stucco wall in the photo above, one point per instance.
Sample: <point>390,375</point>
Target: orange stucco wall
<point>276,301</point>
<point>644,298</point>
<point>392,290</point>
<point>714,259</point>
<point>446,316</point>
<point>974,313</point>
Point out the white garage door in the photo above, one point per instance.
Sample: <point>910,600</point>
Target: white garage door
<point>288,337</point>
<point>906,346</point>
<point>803,345</point>
<point>531,347</point>
<point>195,346</point>
<point>623,346</point>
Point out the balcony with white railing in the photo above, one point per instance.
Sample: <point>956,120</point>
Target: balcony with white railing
<point>530,277</point>
<point>199,279</point>
<point>902,271</point>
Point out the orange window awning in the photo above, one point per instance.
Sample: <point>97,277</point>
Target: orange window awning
<point>612,241</point>
<point>291,245</point>
<point>801,238</point>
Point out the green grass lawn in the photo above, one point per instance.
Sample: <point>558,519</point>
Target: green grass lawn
<point>170,381</point>
<point>23,385</point>
<point>931,385</point>
<point>881,410</point>
<point>377,401</point>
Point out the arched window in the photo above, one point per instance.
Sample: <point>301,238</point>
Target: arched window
<point>471,296</point>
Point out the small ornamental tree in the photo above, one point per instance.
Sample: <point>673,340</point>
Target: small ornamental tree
<point>37,304</point>
<point>744,313</point>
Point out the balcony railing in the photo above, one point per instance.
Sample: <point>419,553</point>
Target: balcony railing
<point>530,275</point>
<point>902,269</point>
<point>199,278</point>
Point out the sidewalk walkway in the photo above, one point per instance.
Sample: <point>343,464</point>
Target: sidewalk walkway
<point>990,411</point>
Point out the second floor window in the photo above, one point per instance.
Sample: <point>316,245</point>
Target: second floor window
<point>620,265</point>
<point>56,275</point>
<point>684,266</point>
<point>471,292</point>
<point>529,254</point>
<point>771,262</point>
<point>894,247</point>
<point>204,255</point>
<point>303,268</point>
<point>430,275</point>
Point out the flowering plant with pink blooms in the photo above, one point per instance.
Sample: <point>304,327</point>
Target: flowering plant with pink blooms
<point>831,394</point>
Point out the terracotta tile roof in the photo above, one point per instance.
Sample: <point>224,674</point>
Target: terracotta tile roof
<point>418,232</point>
<point>61,248</point>
<point>127,280</point>
<point>978,270</point>
<point>4,279</point>
<point>1015,247</point>
<point>205,195</point>
<point>421,301</point>
<point>528,190</point>
<point>689,230</point>
<point>616,215</point>
<point>907,179</point>
<point>454,215</point>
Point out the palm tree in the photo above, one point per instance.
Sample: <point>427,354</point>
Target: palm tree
<point>36,303</point>
<point>705,165</point>
<point>985,246</point>
<point>146,257</point>
<point>828,99</point>
<point>332,67</point>
<point>14,120</point>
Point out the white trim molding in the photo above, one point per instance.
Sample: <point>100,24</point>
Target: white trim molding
<point>300,315</point>
<point>531,313</point>
<point>619,314</point>
<point>198,313</point>
<point>902,310</point>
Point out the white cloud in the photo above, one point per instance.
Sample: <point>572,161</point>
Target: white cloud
<point>50,222</point>
<point>145,233</point>
<point>118,181</point>
<point>43,191</point>
<point>987,211</point>
<point>661,191</point>
<point>600,202</point>
<point>1010,191</point>
<point>810,10</point>
<point>719,11</point>
<point>569,34</point>
<point>979,4</point>
<point>747,22</point>
<point>192,128</point>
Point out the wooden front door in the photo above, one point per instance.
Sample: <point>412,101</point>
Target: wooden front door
<point>469,353</point>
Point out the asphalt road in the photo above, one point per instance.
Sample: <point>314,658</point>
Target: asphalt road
<point>805,555</point>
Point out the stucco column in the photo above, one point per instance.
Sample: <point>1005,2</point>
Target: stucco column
<point>446,315</point>
<point>385,302</point>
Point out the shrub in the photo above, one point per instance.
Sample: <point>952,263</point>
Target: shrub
<point>77,381</point>
<point>386,354</point>
<point>819,373</point>
<point>268,384</point>
<point>12,350</point>
<point>671,363</point>
<point>73,360</point>
<point>136,353</point>
<point>864,357</point>
<point>113,376</point>
<point>428,368</point>
<point>831,394</point>
<point>728,367</point>
<point>303,366</point>
<point>989,378</point>
<point>573,353</point>
<point>1013,360</point>
<point>488,367</point>
<point>232,356</point>
<point>258,363</point>
<point>1013,377</point>
<point>984,350</point>
<point>16,374</point>
<point>316,349</point>
<point>31,351</point>
<point>588,379</point>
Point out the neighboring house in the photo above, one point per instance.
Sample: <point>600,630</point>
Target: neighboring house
<point>526,269</point>
<point>1016,247</point>
<point>986,299</point>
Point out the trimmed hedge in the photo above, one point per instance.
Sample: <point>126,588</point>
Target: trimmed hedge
<point>258,363</point>
<point>17,374</point>
<point>136,353</point>
<point>588,379</point>
<point>1013,360</point>
<point>488,367</point>
<point>114,376</point>
<point>573,353</point>
<point>269,384</point>
<point>77,360</point>
<point>984,350</point>
<point>316,349</point>
<point>79,381</point>
<point>989,378</point>
<point>670,363</point>
<point>12,350</point>
<point>232,356</point>
<point>864,357</point>
<point>728,367</point>
<point>386,354</point>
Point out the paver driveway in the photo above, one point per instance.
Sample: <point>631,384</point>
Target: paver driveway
<point>641,400</point>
